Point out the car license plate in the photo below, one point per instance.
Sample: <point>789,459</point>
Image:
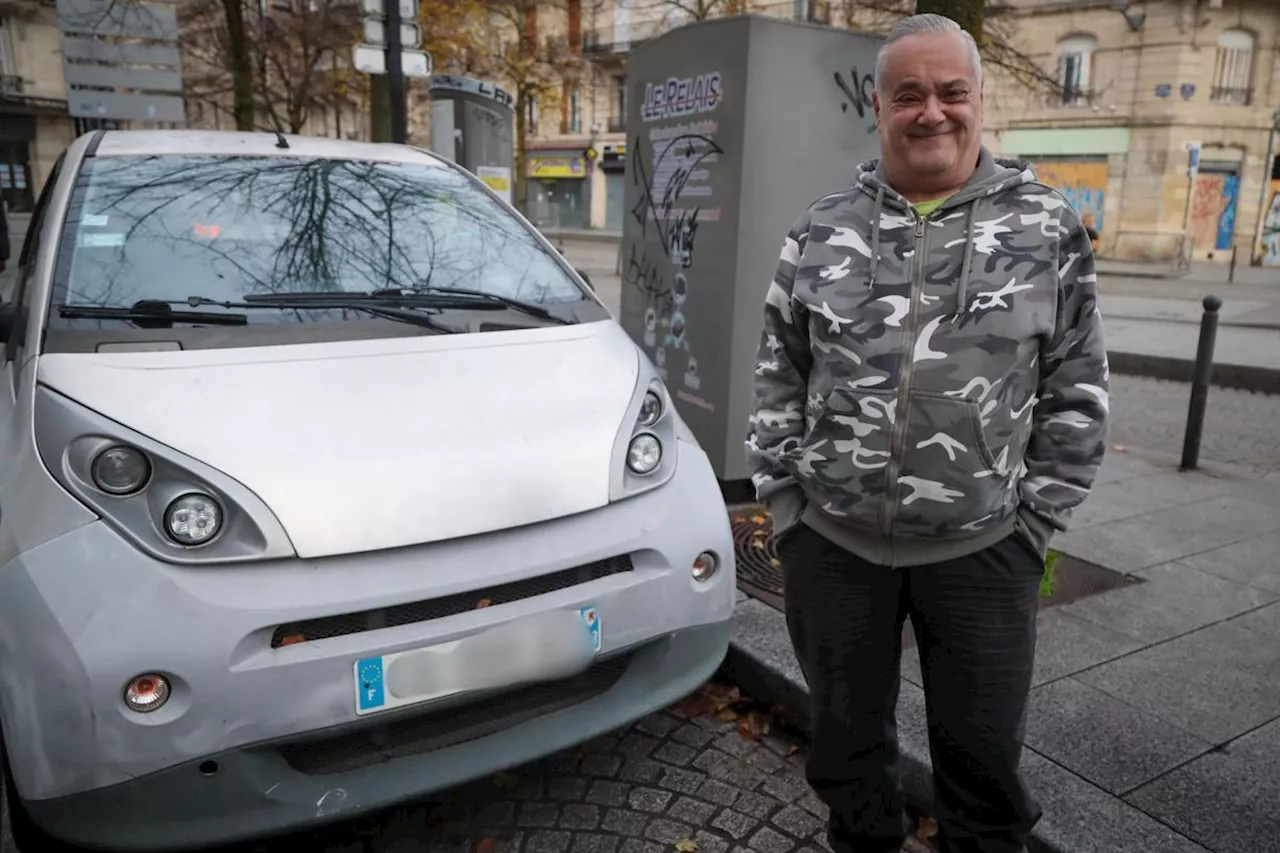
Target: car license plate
<point>541,647</point>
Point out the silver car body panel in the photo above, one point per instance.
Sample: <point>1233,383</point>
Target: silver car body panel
<point>363,445</point>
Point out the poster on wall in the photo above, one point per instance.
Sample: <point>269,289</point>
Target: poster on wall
<point>1271,227</point>
<point>498,179</point>
<point>1083,182</point>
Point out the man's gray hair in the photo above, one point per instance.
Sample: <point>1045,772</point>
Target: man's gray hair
<point>922,24</point>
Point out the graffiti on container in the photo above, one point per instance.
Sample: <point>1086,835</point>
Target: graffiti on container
<point>1271,229</point>
<point>674,166</point>
<point>645,275</point>
<point>665,280</point>
<point>856,91</point>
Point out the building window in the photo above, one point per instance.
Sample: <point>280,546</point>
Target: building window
<point>1233,69</point>
<point>573,112</point>
<point>618,119</point>
<point>531,116</point>
<point>1075,70</point>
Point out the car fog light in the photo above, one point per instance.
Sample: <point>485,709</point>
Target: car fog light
<point>146,693</point>
<point>644,454</point>
<point>650,409</point>
<point>120,470</point>
<point>193,519</point>
<point>705,566</point>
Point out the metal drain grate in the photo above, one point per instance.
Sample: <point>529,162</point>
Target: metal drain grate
<point>758,566</point>
<point>760,570</point>
<point>1074,579</point>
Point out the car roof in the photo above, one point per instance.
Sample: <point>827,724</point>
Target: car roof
<point>124,143</point>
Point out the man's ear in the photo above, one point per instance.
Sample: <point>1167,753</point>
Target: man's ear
<point>875,106</point>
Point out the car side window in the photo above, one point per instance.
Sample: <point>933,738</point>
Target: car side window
<point>27,266</point>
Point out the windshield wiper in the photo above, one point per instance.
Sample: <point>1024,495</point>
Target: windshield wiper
<point>151,315</point>
<point>320,301</point>
<point>482,299</point>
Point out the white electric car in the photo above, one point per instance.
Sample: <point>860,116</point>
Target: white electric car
<point>325,483</point>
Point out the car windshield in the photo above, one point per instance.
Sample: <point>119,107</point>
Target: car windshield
<point>226,228</point>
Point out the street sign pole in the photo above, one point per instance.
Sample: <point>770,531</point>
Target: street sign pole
<point>395,72</point>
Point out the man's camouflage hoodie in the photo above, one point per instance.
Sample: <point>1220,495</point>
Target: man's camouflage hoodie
<point>925,386</point>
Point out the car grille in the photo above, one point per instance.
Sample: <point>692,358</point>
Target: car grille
<point>450,605</point>
<point>452,725</point>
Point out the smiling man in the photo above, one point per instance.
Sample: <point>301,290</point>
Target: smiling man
<point>930,406</point>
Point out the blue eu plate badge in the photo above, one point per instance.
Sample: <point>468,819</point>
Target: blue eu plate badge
<point>370,688</point>
<point>591,616</point>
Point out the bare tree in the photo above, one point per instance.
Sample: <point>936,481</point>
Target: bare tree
<point>277,62</point>
<point>992,23</point>
<point>535,64</point>
<point>703,10</point>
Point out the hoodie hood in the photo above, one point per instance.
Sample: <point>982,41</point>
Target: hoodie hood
<point>992,175</point>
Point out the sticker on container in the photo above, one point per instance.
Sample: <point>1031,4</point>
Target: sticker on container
<point>592,617</point>
<point>370,689</point>
<point>94,220</point>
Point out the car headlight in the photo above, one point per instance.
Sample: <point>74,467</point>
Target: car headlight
<point>644,455</point>
<point>193,519</point>
<point>650,410</point>
<point>120,470</point>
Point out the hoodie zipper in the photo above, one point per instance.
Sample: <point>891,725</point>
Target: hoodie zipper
<point>898,435</point>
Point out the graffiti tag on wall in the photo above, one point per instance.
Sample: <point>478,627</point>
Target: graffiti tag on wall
<point>1271,229</point>
<point>1213,210</point>
<point>856,91</point>
<point>1083,182</point>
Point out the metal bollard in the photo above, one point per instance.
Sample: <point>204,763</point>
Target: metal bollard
<point>1200,377</point>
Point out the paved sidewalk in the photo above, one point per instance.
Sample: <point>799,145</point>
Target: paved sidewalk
<point>1155,716</point>
<point>704,771</point>
<point>1152,325</point>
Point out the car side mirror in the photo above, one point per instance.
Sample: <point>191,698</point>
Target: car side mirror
<point>585,278</point>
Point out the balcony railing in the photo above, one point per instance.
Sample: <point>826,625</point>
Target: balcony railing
<point>617,125</point>
<point>11,84</point>
<point>595,45</point>
<point>1072,98</point>
<point>1230,96</point>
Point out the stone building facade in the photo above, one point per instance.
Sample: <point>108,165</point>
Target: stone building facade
<point>35,125</point>
<point>1144,91</point>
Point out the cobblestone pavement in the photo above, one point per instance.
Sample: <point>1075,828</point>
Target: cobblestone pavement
<point>671,778</point>
<point>1240,427</point>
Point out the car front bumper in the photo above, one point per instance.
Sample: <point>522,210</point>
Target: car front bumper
<point>259,738</point>
<point>257,792</point>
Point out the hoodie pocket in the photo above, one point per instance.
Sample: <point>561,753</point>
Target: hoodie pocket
<point>842,459</point>
<point>950,482</point>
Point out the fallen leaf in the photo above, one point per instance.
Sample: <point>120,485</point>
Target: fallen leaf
<point>687,846</point>
<point>793,749</point>
<point>506,780</point>
<point>775,562</point>
<point>753,726</point>
<point>758,544</point>
<point>710,699</point>
<point>484,602</point>
<point>926,828</point>
<point>1119,448</point>
<point>728,715</point>
<point>485,845</point>
<point>758,519</point>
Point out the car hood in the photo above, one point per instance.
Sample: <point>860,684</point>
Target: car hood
<point>357,446</point>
